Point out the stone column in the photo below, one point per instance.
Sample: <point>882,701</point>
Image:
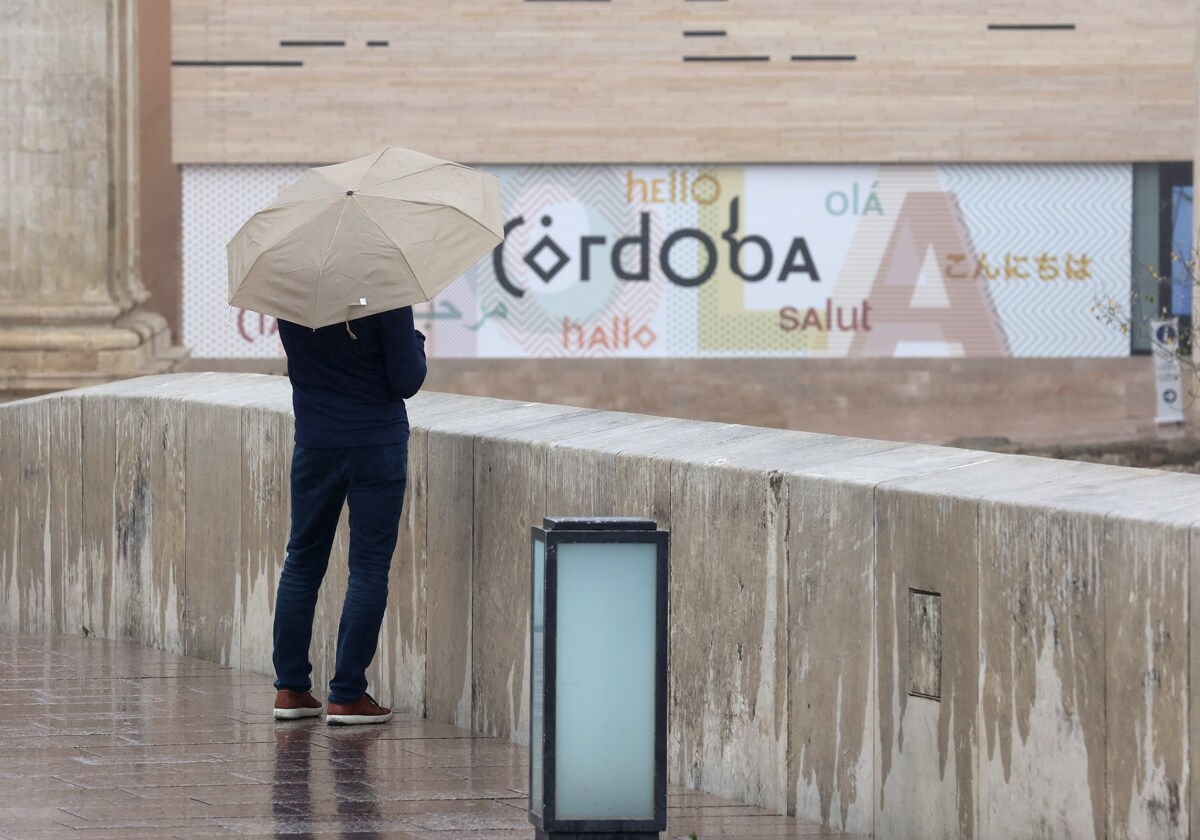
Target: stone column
<point>70,293</point>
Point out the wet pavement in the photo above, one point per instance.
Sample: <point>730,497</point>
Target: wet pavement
<point>101,739</point>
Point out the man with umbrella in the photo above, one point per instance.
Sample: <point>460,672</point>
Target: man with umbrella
<point>351,446</point>
<point>339,259</point>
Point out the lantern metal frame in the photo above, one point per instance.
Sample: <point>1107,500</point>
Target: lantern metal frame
<point>577,530</point>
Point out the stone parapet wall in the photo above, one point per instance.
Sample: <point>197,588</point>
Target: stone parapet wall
<point>1033,401</point>
<point>813,580</point>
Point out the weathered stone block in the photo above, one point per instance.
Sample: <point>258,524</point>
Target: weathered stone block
<point>212,540</point>
<point>36,578</point>
<point>832,586</point>
<point>445,426</point>
<point>1145,559</point>
<point>831,581</point>
<point>729,634</point>
<point>25,473</point>
<point>1042,630</point>
<point>66,516</point>
<point>266,456</point>
<point>149,513</point>
<point>927,752</point>
<point>647,457</point>
<point>10,470</point>
<point>134,514</point>
<point>510,497</point>
<point>449,581</point>
<point>584,471</point>
<point>98,418</point>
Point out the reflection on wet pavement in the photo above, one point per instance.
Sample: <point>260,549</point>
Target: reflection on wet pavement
<point>127,742</point>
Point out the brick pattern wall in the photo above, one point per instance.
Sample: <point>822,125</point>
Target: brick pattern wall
<point>500,81</point>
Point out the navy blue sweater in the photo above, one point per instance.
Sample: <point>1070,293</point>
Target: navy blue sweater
<point>350,391</point>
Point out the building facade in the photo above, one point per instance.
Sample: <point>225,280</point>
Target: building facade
<point>960,188</point>
<point>768,213</point>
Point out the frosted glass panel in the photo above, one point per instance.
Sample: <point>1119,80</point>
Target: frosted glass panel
<point>604,698</point>
<point>537,676</point>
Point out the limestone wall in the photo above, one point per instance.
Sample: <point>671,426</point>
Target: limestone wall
<point>497,81</point>
<point>813,578</point>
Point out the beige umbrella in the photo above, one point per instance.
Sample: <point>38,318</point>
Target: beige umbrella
<point>378,233</point>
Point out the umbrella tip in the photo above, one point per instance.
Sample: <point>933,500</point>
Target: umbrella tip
<point>349,192</point>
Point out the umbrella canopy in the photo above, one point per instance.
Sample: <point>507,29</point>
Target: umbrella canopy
<point>378,233</point>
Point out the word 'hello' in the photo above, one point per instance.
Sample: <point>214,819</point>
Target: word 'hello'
<point>676,188</point>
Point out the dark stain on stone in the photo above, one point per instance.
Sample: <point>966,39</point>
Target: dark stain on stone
<point>133,529</point>
<point>775,481</point>
<point>1165,812</point>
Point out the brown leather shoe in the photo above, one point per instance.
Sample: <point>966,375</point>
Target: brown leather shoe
<point>362,710</point>
<point>292,705</point>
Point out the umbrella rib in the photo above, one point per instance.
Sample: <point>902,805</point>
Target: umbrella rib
<point>396,244</point>
<point>321,270</point>
<point>409,201</point>
<point>370,166</point>
<point>267,249</point>
<point>284,201</point>
<point>414,172</point>
<point>470,218</point>
<point>457,210</point>
<point>466,216</point>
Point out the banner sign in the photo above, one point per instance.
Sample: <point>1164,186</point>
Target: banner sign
<point>687,261</point>
<point>1167,380</point>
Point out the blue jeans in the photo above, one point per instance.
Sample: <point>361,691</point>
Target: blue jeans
<point>372,480</point>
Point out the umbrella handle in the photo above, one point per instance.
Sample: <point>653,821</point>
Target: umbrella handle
<point>362,301</point>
